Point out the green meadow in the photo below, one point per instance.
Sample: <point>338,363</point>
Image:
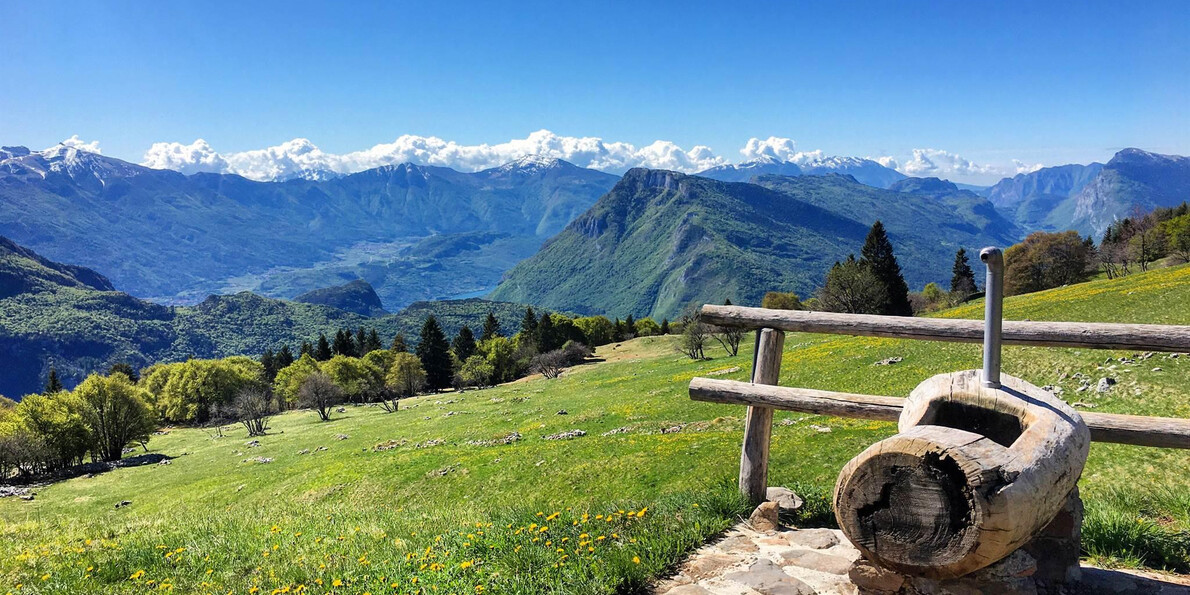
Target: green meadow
<point>464,493</point>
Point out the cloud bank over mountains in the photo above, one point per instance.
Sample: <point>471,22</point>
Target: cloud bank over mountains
<point>300,158</point>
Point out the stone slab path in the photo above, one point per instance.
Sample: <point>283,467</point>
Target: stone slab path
<point>822,562</point>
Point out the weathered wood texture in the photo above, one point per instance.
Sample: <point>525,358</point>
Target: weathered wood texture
<point>1141,337</point>
<point>972,475</point>
<point>758,424</point>
<point>1161,432</point>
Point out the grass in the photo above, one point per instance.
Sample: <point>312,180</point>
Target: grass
<point>462,517</point>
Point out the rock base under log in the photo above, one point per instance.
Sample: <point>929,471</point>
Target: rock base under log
<point>823,562</point>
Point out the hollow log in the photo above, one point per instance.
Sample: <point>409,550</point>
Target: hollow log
<point>972,475</point>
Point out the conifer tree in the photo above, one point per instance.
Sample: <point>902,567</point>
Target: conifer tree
<point>727,302</point>
<point>618,330</point>
<point>529,323</point>
<point>665,326</point>
<point>962,280</point>
<point>52,384</point>
<point>877,254</point>
<point>361,343</point>
<point>491,327</point>
<point>344,344</point>
<point>323,351</point>
<point>434,352</point>
<point>268,361</point>
<point>547,334</point>
<point>629,327</point>
<point>285,357</point>
<point>307,348</point>
<point>399,344</point>
<point>374,343</point>
<point>464,344</point>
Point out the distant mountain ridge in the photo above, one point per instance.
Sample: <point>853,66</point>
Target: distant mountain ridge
<point>660,241</point>
<point>72,318</point>
<point>865,171</point>
<point>354,296</point>
<point>165,235</point>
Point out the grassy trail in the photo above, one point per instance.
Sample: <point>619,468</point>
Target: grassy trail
<point>450,509</point>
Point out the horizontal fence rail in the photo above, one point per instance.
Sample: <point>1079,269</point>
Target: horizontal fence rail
<point>1092,335</point>
<point>1163,432</point>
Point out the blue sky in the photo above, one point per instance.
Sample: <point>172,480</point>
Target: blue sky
<point>991,82</point>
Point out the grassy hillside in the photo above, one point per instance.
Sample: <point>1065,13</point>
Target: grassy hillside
<point>446,507</point>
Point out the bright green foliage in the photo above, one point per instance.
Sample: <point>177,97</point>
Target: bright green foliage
<point>597,329</point>
<point>381,358</point>
<point>1177,234</point>
<point>852,287</point>
<point>115,413</point>
<point>405,375</point>
<point>59,425</point>
<point>647,327</point>
<point>781,300</point>
<point>289,380</point>
<point>501,353</point>
<point>359,380</point>
<point>476,372</point>
<point>1045,261</point>
<point>197,385</point>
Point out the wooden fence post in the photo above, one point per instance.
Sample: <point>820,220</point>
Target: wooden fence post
<point>758,425</point>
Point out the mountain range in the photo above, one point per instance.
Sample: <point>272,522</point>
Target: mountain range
<point>176,238</point>
<point>73,319</point>
<point>866,171</point>
<point>660,240</point>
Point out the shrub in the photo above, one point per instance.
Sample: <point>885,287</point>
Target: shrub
<point>475,372</point>
<point>320,394</point>
<point>549,364</point>
<point>252,407</point>
<point>779,300</point>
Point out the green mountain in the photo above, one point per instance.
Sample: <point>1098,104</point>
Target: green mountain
<point>661,240</point>
<point>72,318</point>
<point>354,296</point>
<point>1035,200</point>
<point>175,238</point>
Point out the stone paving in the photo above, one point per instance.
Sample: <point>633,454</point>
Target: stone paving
<point>786,561</point>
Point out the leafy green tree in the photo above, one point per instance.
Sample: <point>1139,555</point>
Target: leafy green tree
<point>434,352</point>
<point>196,386</point>
<point>476,372</point>
<point>381,358</point>
<point>406,376</point>
<point>399,345</point>
<point>1177,233</point>
<point>781,300</point>
<point>491,327</point>
<point>852,287</point>
<point>1044,261</point>
<point>52,384</point>
<point>290,378</point>
<point>323,351</point>
<point>359,380</point>
<point>501,353</point>
<point>877,254</point>
<point>464,344</point>
<point>58,426</point>
<point>647,327</point>
<point>962,279</point>
<point>114,411</point>
<point>597,329</point>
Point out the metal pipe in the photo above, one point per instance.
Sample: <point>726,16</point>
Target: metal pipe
<point>993,316</point>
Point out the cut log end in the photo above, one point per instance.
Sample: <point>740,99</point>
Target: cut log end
<point>915,512</point>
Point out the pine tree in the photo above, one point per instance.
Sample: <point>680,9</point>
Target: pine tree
<point>491,327</point>
<point>434,352</point>
<point>361,343</point>
<point>306,349</point>
<point>547,334</point>
<point>464,344</point>
<point>963,279</point>
<point>125,369</point>
<point>374,343</point>
<point>618,330</point>
<point>529,323</point>
<point>877,254</point>
<point>52,384</point>
<point>323,351</point>
<point>344,344</point>
<point>727,302</point>
<point>629,327</point>
<point>665,326</point>
<point>285,357</point>
<point>268,361</point>
<point>399,344</point>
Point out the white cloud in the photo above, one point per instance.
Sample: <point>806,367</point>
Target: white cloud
<point>74,142</point>
<point>889,162</point>
<point>1026,168</point>
<point>776,148</point>
<point>300,156</point>
<point>936,162</point>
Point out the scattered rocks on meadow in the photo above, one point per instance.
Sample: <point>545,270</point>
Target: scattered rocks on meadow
<point>567,435</point>
<point>619,430</point>
<point>259,460</point>
<point>341,410</point>
<point>889,361</point>
<point>252,444</point>
<point>1105,384</point>
<point>389,445</point>
<point>508,439</point>
<point>1084,405</point>
<point>673,429</point>
<point>123,503</point>
<point>820,429</point>
<point>341,436</point>
<point>8,491</point>
<point>304,451</point>
<point>443,472</point>
<point>563,412</point>
<point>165,462</point>
<point>430,443</point>
<point>731,370</point>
